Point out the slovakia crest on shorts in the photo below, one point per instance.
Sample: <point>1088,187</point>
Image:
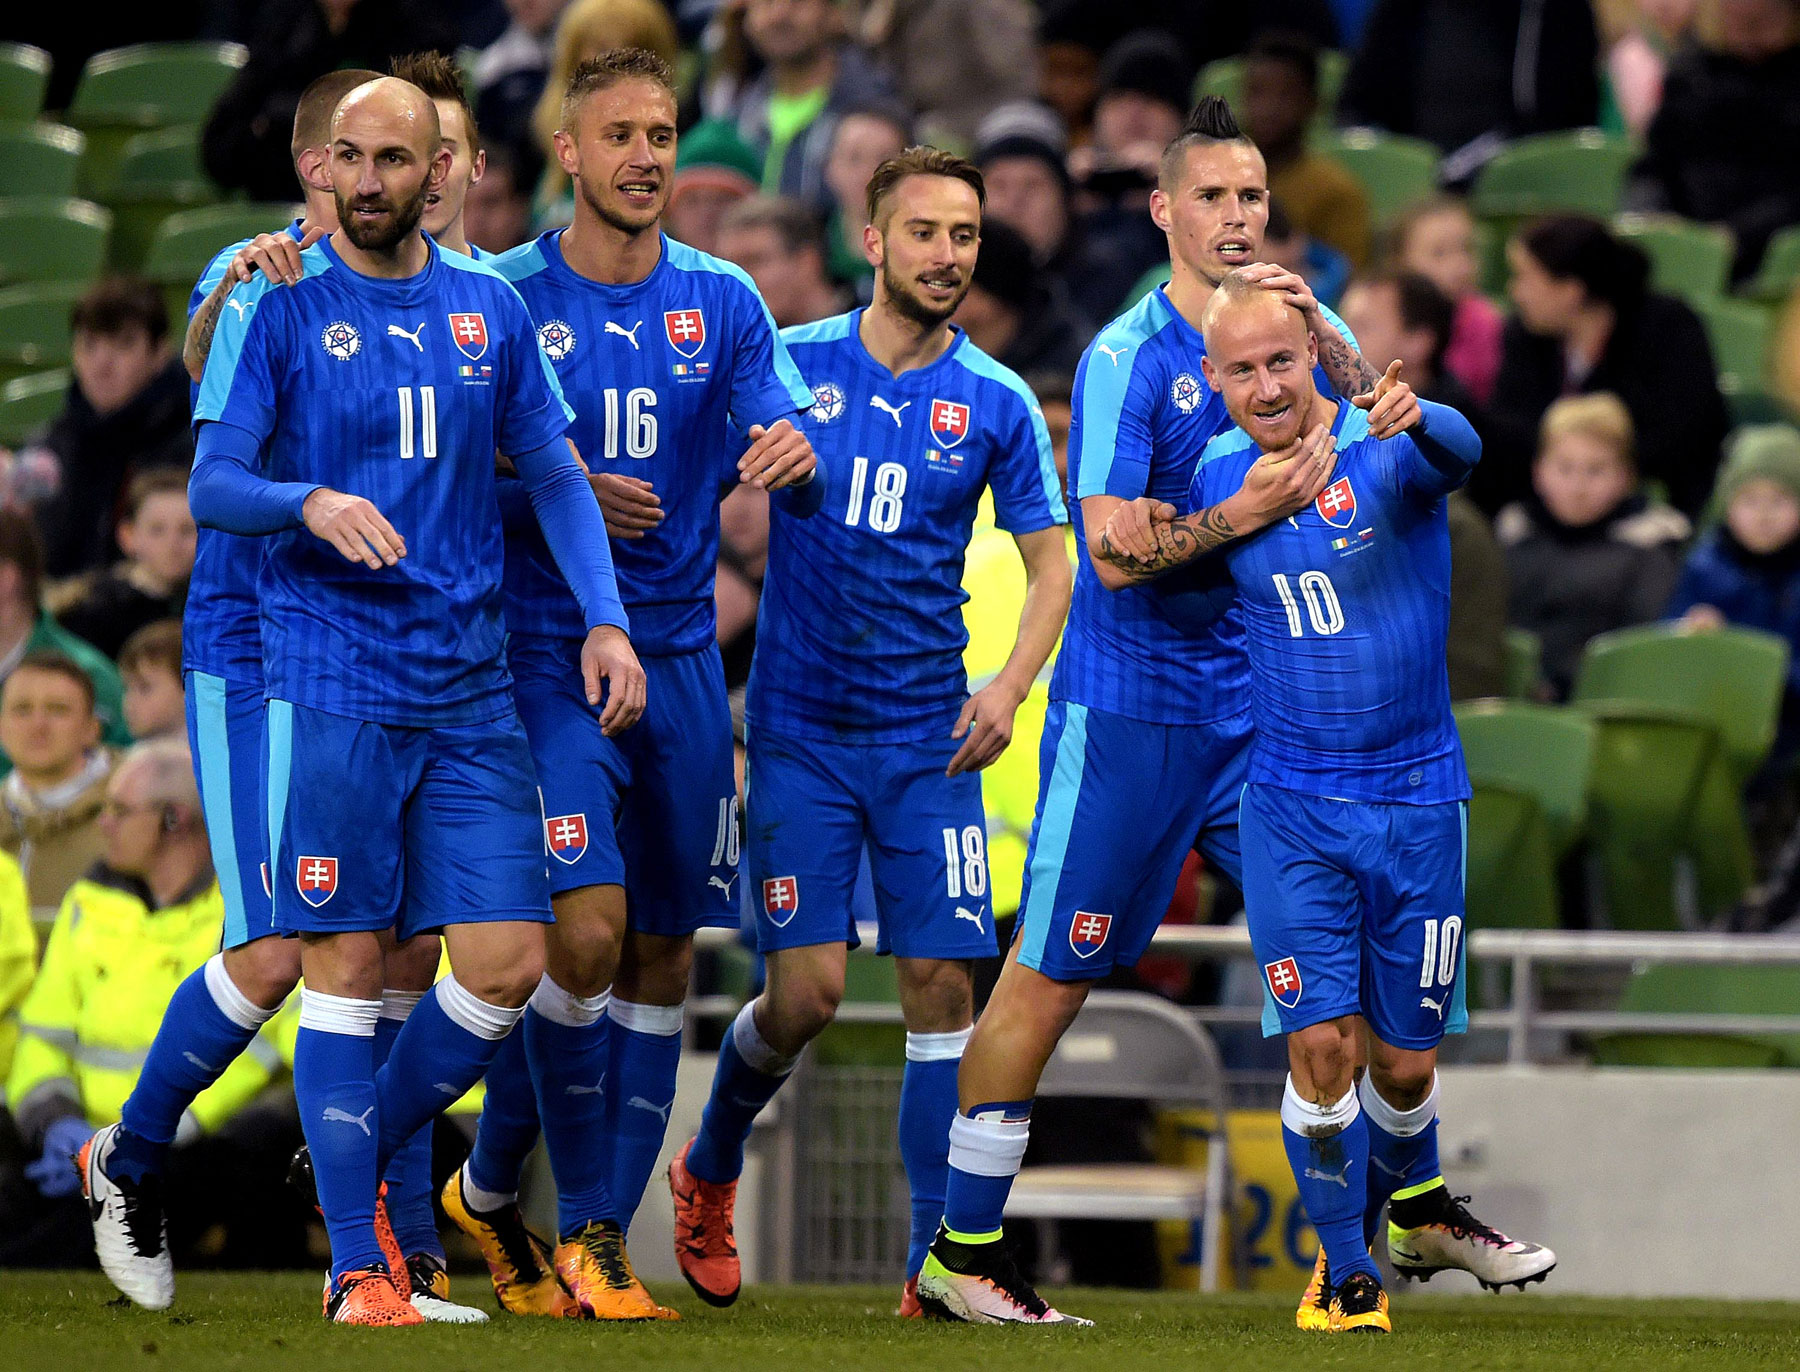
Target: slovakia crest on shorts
<point>1284,982</point>
<point>469,332</point>
<point>316,879</point>
<point>686,330</point>
<point>1336,504</point>
<point>1087,933</point>
<point>781,900</point>
<point>949,422</point>
<point>567,837</point>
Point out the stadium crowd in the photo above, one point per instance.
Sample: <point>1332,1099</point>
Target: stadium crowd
<point>1620,484</point>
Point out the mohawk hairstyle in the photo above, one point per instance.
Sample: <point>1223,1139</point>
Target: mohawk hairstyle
<point>440,78</point>
<point>1211,121</point>
<point>609,68</point>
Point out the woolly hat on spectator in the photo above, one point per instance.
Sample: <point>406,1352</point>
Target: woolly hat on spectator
<point>712,154</point>
<point>1148,62</point>
<point>1755,452</point>
<point>1004,268</point>
<point>1023,128</point>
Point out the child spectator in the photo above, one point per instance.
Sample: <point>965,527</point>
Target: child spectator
<point>1747,570</point>
<point>1437,240</point>
<point>1587,551</point>
<point>157,535</point>
<point>155,699</point>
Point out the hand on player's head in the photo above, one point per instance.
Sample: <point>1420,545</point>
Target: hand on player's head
<point>1392,406</point>
<point>1273,277</point>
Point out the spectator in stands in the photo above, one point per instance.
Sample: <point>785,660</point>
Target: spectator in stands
<point>127,411</point>
<point>26,627</point>
<point>954,60</point>
<point>861,142</point>
<point>511,71</point>
<point>1281,96</point>
<point>1586,322</point>
<point>18,956</point>
<point>50,802</point>
<point>1469,74</point>
<point>1324,268</point>
<point>1725,144</point>
<point>1021,155</point>
<point>1015,314</point>
<point>1436,239</point>
<point>714,170</point>
<point>245,144</point>
<point>157,535</point>
<point>587,29</point>
<point>1587,550</point>
<point>155,697</point>
<point>497,209</point>
<point>1070,44</point>
<point>781,243</point>
<point>1639,41</point>
<point>1402,317</point>
<point>813,74</point>
<point>125,937</point>
<point>1476,648</point>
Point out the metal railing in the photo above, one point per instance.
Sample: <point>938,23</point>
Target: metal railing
<point>1523,951</point>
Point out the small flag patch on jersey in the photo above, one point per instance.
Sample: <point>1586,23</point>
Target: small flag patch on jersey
<point>943,461</point>
<point>781,899</point>
<point>680,369</point>
<point>1339,544</point>
<point>1284,982</point>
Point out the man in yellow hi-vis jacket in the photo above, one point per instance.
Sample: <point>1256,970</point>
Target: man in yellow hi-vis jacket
<point>125,937</point>
<point>18,957</point>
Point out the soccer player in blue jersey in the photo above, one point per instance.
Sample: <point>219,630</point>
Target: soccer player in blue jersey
<point>201,1035</point>
<point>862,730</point>
<point>1355,811</point>
<point>1145,735</point>
<point>395,369</point>
<point>661,349</point>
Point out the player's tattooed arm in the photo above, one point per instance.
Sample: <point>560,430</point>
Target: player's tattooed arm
<point>1173,540</point>
<point>275,255</point>
<point>1343,364</point>
<point>201,327</point>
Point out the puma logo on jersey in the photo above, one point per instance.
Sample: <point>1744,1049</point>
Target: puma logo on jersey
<point>886,408</point>
<point>1112,354</point>
<point>660,1111</point>
<point>395,331</point>
<point>973,916</point>
<point>625,333</point>
<point>237,305</point>
<point>1427,1003</point>
<point>333,1114</point>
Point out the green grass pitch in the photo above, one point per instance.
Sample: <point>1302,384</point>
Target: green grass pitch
<point>65,1322</point>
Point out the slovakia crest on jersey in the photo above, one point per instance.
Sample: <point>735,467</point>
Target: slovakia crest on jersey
<point>781,900</point>
<point>686,330</point>
<point>1284,982</point>
<point>1087,933</point>
<point>316,879</point>
<point>949,422</point>
<point>469,331</point>
<point>567,837</point>
<point>1336,504</point>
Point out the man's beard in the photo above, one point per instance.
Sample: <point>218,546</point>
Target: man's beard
<point>613,218</point>
<point>908,305</point>
<point>403,218</point>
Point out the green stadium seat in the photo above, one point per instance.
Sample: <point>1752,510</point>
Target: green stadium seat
<point>1741,334</point>
<point>159,174</point>
<point>1543,751</point>
<point>185,242</point>
<point>1579,172</point>
<point>1395,173</point>
<point>28,403</point>
<point>1689,260</point>
<point>40,159</point>
<point>51,238</point>
<point>24,77</point>
<point>1706,988</point>
<point>1524,664</point>
<point>1732,678</point>
<point>1509,873</point>
<point>124,91</point>
<point>34,326</point>
<point>1780,268</point>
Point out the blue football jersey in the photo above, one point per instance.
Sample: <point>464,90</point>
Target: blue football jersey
<point>401,392</point>
<point>658,371</point>
<point>1170,651</point>
<point>860,633</point>
<point>1347,608</point>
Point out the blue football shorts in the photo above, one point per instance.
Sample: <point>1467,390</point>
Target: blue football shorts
<point>225,735</point>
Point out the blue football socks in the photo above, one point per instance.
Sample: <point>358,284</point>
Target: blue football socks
<point>748,1075</point>
<point>1328,1149</point>
<point>927,1107</point>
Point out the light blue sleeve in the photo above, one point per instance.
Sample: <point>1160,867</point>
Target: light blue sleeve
<point>1110,434</point>
<point>245,363</point>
